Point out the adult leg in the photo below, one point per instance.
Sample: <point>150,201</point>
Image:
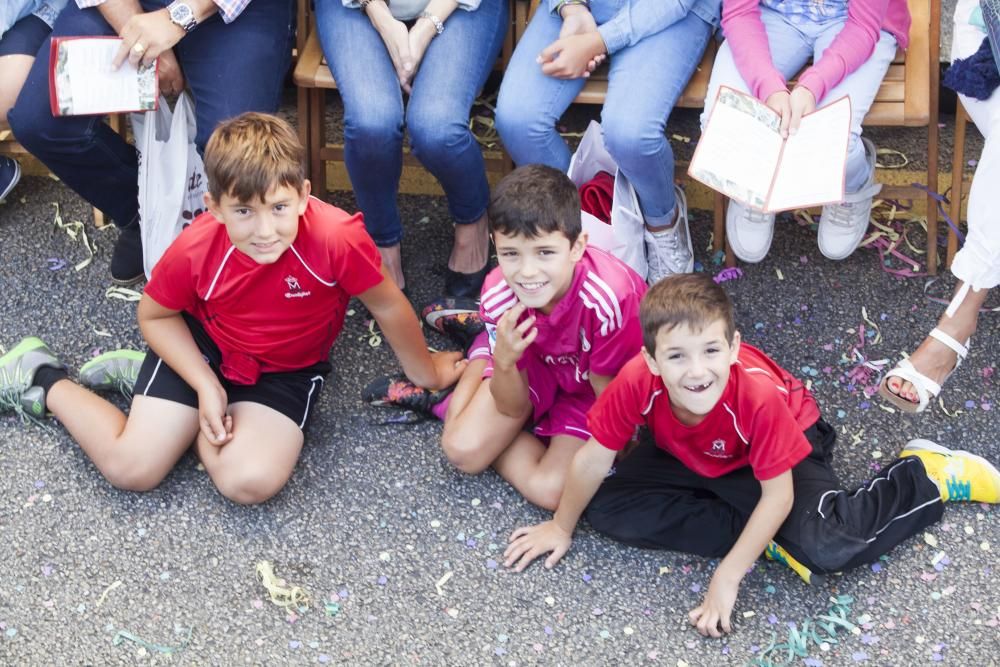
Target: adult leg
<point>652,500</point>
<point>530,103</point>
<point>259,459</point>
<point>452,72</point>
<point>133,453</point>
<point>236,67</point>
<point>373,122</point>
<point>661,65</point>
<point>18,47</point>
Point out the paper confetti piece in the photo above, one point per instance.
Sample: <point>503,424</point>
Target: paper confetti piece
<point>279,593</point>
<point>107,590</point>
<point>442,581</point>
<point>122,294</point>
<point>125,635</point>
<point>930,539</point>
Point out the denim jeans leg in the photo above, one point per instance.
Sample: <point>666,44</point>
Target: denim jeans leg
<point>452,72</point>
<point>860,86</point>
<point>373,114</point>
<point>660,65</point>
<point>530,103</point>
<point>83,151</point>
<point>790,51</point>
<point>225,86</point>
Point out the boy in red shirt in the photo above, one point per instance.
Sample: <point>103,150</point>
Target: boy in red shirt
<point>739,457</point>
<point>239,315</point>
<point>560,321</point>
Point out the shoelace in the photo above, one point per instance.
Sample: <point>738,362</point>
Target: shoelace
<point>758,217</point>
<point>10,398</point>
<point>843,214</point>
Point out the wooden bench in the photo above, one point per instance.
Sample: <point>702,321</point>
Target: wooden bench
<point>907,97</point>
<point>313,77</point>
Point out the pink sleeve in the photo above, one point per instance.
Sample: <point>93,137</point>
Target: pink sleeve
<point>747,40</point>
<point>849,49</point>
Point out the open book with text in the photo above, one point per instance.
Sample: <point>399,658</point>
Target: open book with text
<point>83,82</point>
<point>741,154</point>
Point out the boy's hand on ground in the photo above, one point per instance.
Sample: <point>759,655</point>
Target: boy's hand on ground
<point>529,542</point>
<point>716,608</point>
<point>513,338</point>
<point>216,425</point>
<point>780,102</point>
<point>801,102</point>
<point>572,57</point>
<point>448,368</point>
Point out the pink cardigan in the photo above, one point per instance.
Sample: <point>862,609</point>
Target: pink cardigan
<point>745,33</point>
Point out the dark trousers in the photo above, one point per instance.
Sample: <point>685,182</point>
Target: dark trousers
<point>652,500</point>
<point>229,68</point>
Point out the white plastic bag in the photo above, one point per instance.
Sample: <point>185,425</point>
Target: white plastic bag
<point>625,240</point>
<point>172,179</point>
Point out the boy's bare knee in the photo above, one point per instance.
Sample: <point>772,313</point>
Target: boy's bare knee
<point>248,485</point>
<point>133,476</point>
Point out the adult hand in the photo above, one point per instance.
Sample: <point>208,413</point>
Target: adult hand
<point>577,20</point>
<point>145,36</point>
<point>513,338</point>
<point>572,57</point>
<point>801,102</point>
<point>421,34</point>
<point>448,368</point>
<point>529,542</point>
<point>396,38</point>
<point>780,102</point>
<point>717,607</point>
<point>216,425</point>
<point>170,75</point>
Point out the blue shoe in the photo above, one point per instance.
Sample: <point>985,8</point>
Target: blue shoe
<point>10,174</point>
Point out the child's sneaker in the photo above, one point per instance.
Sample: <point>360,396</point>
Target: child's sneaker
<point>17,373</point>
<point>457,318</point>
<point>398,391</point>
<point>959,475</point>
<point>116,371</point>
<point>10,174</point>
<point>748,231</point>
<point>669,251</point>
<point>843,225</point>
<point>774,551</point>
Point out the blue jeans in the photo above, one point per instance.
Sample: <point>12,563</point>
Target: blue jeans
<point>452,71</point>
<point>792,45</point>
<point>229,69</point>
<point>644,83</point>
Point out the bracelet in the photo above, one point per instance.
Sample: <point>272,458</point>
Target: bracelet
<point>566,3</point>
<point>438,25</point>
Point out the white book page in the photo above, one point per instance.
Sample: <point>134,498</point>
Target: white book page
<point>87,84</point>
<point>812,167</point>
<point>738,151</point>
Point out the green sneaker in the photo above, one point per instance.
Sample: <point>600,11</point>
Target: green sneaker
<point>113,371</point>
<point>776,552</point>
<point>17,371</point>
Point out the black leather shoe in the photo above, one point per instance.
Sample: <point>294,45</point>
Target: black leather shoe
<point>464,285</point>
<point>126,259</point>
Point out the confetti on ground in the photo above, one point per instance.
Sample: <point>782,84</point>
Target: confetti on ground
<point>442,581</point>
<point>821,631</point>
<point>122,294</point>
<point>125,635</point>
<point>107,590</point>
<point>281,594</point>
<point>75,230</point>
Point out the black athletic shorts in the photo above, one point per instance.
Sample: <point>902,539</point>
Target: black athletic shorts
<point>24,37</point>
<point>292,393</point>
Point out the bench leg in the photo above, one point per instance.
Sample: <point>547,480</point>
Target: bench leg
<point>957,174</point>
<point>317,141</point>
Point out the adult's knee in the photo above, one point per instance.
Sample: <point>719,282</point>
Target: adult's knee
<point>628,140</point>
<point>373,130</point>
<point>33,128</point>
<point>437,130</point>
<point>523,129</point>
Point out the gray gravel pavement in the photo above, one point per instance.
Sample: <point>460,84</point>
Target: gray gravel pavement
<point>373,518</point>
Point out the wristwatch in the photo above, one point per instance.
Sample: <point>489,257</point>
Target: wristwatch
<point>181,14</point>
<point>435,21</point>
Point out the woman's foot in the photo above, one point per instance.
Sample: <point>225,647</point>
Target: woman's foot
<point>392,261</point>
<point>469,261</point>
<point>935,359</point>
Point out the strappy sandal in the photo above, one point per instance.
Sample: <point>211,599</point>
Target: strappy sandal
<point>926,388</point>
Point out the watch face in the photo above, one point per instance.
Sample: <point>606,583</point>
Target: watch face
<point>181,13</point>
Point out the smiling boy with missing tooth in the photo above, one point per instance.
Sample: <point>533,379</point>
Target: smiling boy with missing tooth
<point>737,456</point>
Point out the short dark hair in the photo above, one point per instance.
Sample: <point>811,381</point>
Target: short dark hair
<point>251,154</point>
<point>693,299</point>
<point>534,200</point>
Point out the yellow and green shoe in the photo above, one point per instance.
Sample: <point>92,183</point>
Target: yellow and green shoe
<point>774,551</point>
<point>959,475</point>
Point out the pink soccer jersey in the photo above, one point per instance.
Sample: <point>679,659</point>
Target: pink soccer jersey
<point>593,329</point>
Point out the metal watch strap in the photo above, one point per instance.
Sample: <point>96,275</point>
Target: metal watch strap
<point>438,25</point>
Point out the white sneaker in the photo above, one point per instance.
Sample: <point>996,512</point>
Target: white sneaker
<point>748,231</point>
<point>669,251</point>
<point>843,225</point>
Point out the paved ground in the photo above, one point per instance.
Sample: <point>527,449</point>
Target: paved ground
<point>374,517</point>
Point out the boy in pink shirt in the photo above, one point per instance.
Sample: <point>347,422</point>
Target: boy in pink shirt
<point>735,461</point>
<point>851,44</point>
<point>560,319</point>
